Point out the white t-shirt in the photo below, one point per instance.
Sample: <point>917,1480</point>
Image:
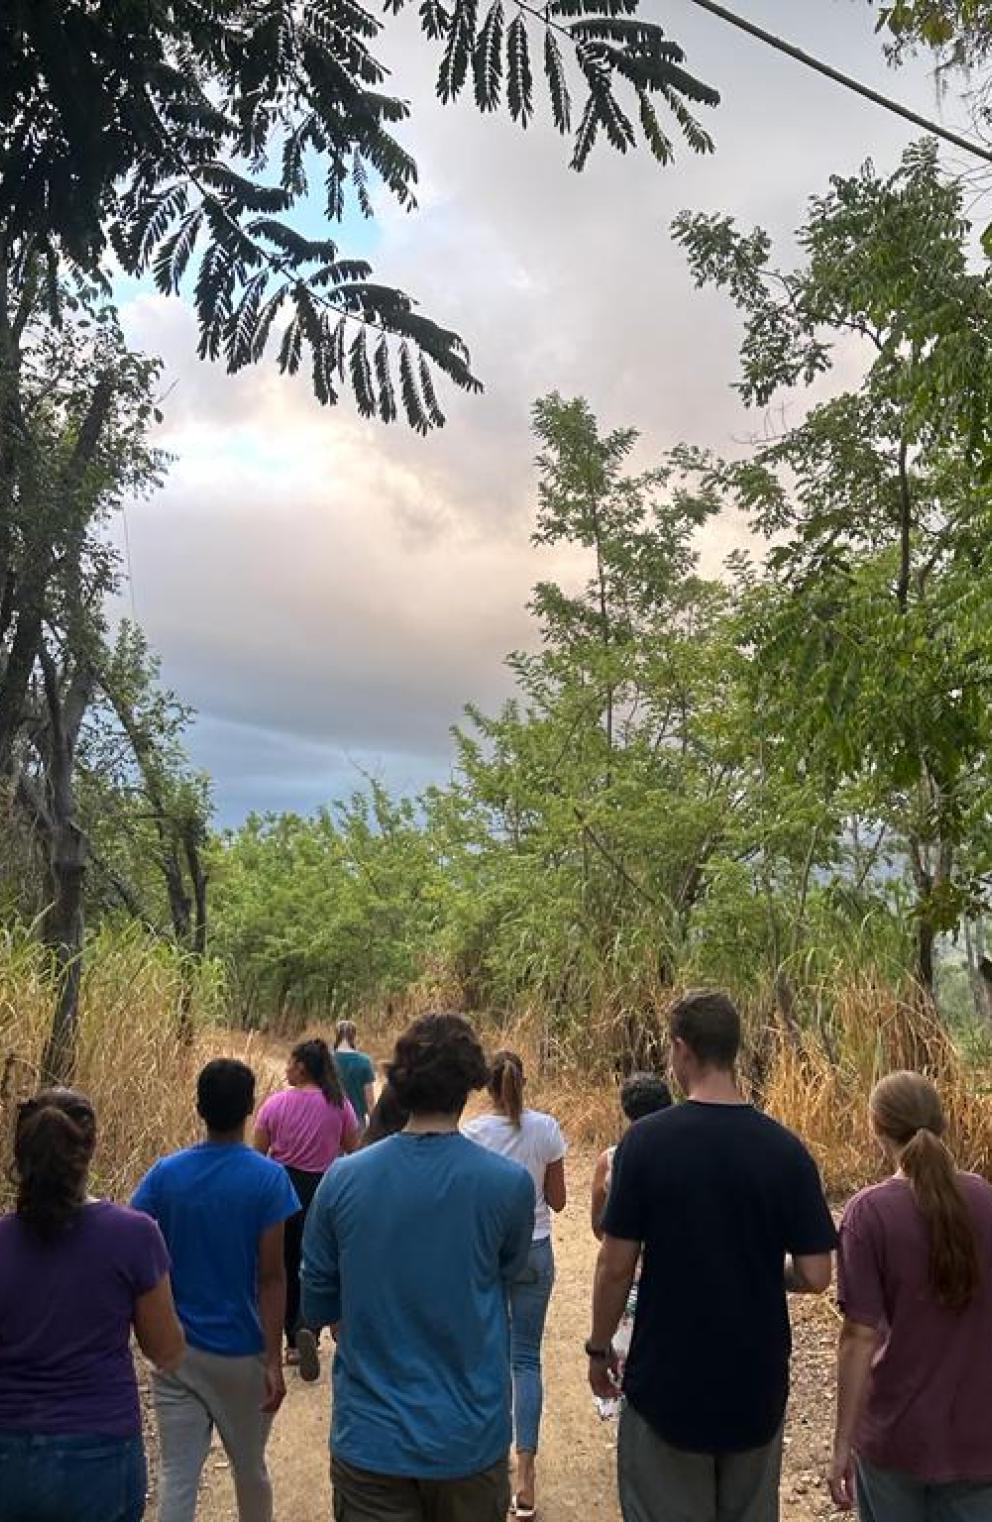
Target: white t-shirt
<point>535,1143</point>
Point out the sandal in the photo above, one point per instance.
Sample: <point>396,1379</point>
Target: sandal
<point>522,1510</point>
<point>309,1357</point>
<point>292,1358</point>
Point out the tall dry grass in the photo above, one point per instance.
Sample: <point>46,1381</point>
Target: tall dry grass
<point>131,1060</point>
<point>815,1074</point>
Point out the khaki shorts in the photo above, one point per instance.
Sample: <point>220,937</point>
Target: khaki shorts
<point>659,1483</point>
<point>363,1497</point>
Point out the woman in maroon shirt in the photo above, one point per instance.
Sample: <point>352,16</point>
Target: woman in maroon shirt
<point>914,1401</point>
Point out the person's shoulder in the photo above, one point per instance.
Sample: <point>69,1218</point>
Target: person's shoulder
<point>870,1205</point>
<point>775,1134</point>
<point>494,1167</point>
<point>126,1222</point>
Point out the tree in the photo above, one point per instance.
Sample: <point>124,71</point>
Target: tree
<point>75,408</point>
<point>871,640</point>
<point>180,133</point>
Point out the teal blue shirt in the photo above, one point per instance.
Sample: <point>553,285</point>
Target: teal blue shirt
<point>356,1071</point>
<point>410,1244</point>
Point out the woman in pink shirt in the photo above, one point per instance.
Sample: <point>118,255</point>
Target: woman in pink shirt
<point>914,1400</point>
<point>305,1127</point>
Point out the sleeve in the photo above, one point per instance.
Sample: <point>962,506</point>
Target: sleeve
<point>809,1225</point>
<point>320,1273</point>
<point>279,1201</point>
<point>368,1071</point>
<point>149,1260</point>
<point>555,1144</point>
<point>268,1115</point>
<point>145,1197</point>
<point>520,1226</point>
<point>860,1287</point>
<point>349,1124</point>
<point>624,1216</point>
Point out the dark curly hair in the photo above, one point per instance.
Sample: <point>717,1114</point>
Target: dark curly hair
<point>643,1094</point>
<point>54,1138</point>
<point>437,1063</point>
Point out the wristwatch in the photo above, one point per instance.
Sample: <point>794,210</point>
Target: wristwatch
<point>600,1354</point>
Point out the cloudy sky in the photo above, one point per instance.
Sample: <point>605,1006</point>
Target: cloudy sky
<point>327,592</point>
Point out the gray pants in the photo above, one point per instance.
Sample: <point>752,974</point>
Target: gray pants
<point>205,1392</point>
<point>659,1483</point>
<point>887,1495</point>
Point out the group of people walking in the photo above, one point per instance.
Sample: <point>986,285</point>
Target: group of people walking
<point>425,1245</point>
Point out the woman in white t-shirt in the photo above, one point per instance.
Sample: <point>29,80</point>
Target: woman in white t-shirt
<point>534,1140</point>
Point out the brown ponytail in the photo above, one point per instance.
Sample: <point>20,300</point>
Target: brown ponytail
<point>54,1138</point>
<point>506,1085</point>
<point>906,1109</point>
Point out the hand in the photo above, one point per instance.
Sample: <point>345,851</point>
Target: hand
<point>275,1387</point>
<point>604,1378</point>
<point>841,1479</point>
<point>335,1330</point>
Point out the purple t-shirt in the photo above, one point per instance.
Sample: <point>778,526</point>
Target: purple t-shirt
<point>66,1310</point>
<point>928,1410</point>
<point>304,1130</point>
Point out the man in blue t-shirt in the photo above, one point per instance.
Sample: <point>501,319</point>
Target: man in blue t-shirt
<point>221,1208</point>
<point>407,1252</point>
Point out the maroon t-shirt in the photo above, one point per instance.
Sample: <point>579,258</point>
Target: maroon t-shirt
<point>66,1309</point>
<point>929,1406</point>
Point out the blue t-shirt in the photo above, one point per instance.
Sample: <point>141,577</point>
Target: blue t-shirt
<point>213,1202</point>
<point>410,1245</point>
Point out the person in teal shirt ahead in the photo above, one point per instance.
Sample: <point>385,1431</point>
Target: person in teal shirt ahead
<point>408,1250</point>
<point>356,1069</point>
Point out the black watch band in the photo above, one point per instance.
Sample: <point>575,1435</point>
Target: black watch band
<point>597,1353</point>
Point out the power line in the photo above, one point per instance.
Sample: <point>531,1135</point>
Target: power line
<point>865,91</point>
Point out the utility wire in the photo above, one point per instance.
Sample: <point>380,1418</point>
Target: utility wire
<point>887,104</point>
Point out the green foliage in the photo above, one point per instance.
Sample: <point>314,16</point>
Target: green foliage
<point>181,134</point>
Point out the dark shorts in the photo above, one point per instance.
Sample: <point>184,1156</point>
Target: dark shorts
<point>363,1497</point>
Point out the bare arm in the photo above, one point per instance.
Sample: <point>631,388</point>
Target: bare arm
<point>272,1312</point>
<point>261,1141</point>
<point>157,1328</point>
<point>855,1351</point>
<point>808,1274</point>
<point>369,1098</point>
<point>554,1186</point>
<point>615,1269</point>
<point>599,1191</point>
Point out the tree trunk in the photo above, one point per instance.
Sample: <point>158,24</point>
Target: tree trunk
<point>62,932</point>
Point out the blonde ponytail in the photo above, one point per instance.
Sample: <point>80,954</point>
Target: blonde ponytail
<point>906,1109</point>
<point>506,1085</point>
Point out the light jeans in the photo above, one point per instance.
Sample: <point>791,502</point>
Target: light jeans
<point>208,1391</point>
<point>530,1295</point>
<point>889,1495</point>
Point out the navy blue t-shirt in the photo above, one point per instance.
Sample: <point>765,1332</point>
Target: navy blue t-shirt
<point>410,1244</point>
<point>213,1202</point>
<point>718,1194</point>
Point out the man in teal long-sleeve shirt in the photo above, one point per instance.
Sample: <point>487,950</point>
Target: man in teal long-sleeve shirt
<point>408,1249</point>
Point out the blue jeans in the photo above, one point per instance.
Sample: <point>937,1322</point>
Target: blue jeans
<point>889,1495</point>
<point>71,1479</point>
<point>529,1297</point>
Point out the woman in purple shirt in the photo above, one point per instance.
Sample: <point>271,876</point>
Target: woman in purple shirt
<point>76,1274</point>
<point>914,1401</point>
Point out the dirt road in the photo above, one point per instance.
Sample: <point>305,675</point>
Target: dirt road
<point>576,1465</point>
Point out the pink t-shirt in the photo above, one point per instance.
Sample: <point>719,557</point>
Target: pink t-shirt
<point>305,1131</point>
<point>929,1406</point>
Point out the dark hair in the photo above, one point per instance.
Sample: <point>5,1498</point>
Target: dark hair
<point>314,1056</point>
<point>388,1117</point>
<point>643,1094</point>
<point>436,1065</point>
<point>708,1022</point>
<point>506,1085</point>
<point>54,1138</point>
<point>225,1093</point>
<point>345,1030</point>
<point>906,1108</point>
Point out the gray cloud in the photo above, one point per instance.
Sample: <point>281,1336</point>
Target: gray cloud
<point>322,587</point>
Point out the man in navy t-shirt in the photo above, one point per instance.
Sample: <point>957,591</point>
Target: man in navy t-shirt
<point>408,1249</point>
<point>728,1210</point>
<point>221,1208</point>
